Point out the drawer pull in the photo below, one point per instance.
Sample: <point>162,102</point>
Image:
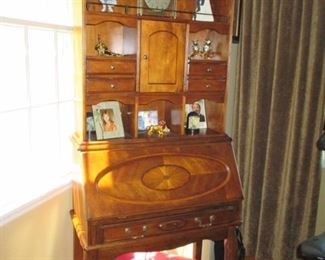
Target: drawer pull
<point>129,231</point>
<point>112,86</point>
<point>207,86</point>
<point>171,225</point>
<point>209,70</point>
<point>201,225</point>
<point>112,67</point>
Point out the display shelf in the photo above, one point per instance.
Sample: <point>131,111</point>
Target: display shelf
<point>204,135</point>
<point>171,137</point>
<point>185,11</point>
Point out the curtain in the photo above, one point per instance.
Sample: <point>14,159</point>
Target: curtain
<point>278,116</point>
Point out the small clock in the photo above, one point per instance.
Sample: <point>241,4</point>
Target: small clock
<point>165,8</point>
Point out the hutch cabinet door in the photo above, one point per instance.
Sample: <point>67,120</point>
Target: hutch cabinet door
<point>162,56</point>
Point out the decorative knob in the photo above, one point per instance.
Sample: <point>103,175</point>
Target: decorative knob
<point>207,86</point>
<point>145,56</point>
<point>112,86</point>
<point>112,67</point>
<point>209,69</point>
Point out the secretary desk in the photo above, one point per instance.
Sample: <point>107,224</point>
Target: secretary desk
<point>152,192</point>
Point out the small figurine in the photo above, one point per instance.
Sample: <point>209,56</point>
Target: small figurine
<point>107,5</point>
<point>102,49</point>
<point>195,48</point>
<point>206,49</point>
<point>161,129</point>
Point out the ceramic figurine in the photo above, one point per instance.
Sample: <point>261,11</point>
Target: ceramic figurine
<point>206,49</point>
<point>161,129</point>
<point>107,5</point>
<point>195,48</point>
<point>100,47</point>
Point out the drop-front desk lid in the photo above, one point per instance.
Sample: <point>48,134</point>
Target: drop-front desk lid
<point>168,177</point>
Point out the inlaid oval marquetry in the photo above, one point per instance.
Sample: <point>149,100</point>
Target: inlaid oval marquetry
<point>162,178</point>
<point>166,177</point>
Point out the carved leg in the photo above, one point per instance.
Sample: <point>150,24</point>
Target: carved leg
<point>77,249</point>
<point>91,255</point>
<point>197,250</point>
<point>231,246</point>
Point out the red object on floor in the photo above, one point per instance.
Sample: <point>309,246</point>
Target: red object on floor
<point>150,256</point>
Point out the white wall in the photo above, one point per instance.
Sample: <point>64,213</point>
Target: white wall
<point>43,233</point>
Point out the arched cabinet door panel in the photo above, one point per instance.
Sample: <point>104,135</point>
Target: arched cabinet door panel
<point>162,56</point>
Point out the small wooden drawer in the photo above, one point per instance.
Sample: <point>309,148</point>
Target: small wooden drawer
<point>115,84</point>
<point>202,220</point>
<point>201,84</point>
<point>212,69</point>
<point>111,66</point>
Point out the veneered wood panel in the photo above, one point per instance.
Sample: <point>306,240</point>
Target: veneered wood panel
<point>162,56</point>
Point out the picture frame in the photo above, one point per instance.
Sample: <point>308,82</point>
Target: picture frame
<point>147,118</point>
<point>108,120</point>
<point>90,125</point>
<point>197,107</point>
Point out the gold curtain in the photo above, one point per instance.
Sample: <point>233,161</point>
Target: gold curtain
<point>278,116</point>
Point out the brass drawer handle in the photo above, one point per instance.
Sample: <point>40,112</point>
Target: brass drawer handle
<point>145,56</point>
<point>171,225</point>
<point>112,67</point>
<point>209,70</point>
<point>129,231</point>
<point>207,85</point>
<point>200,223</point>
<point>112,86</point>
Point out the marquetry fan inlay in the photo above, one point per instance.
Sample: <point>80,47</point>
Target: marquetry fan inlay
<point>162,178</point>
<point>166,177</point>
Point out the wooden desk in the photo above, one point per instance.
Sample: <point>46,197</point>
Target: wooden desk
<point>164,196</point>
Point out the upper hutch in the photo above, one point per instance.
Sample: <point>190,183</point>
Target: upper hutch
<point>142,191</point>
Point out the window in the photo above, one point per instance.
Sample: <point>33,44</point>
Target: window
<point>36,100</point>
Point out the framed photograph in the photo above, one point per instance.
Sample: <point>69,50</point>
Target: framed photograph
<point>108,120</point>
<point>90,125</point>
<point>147,118</point>
<point>196,109</point>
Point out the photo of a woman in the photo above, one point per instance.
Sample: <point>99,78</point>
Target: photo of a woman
<point>108,120</point>
<point>107,116</point>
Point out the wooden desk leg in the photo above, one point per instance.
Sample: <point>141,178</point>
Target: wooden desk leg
<point>197,250</point>
<point>77,249</point>
<point>231,246</point>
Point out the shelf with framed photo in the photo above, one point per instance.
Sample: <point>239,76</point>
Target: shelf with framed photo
<point>164,111</point>
<point>108,120</point>
<point>195,117</point>
<point>123,109</point>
